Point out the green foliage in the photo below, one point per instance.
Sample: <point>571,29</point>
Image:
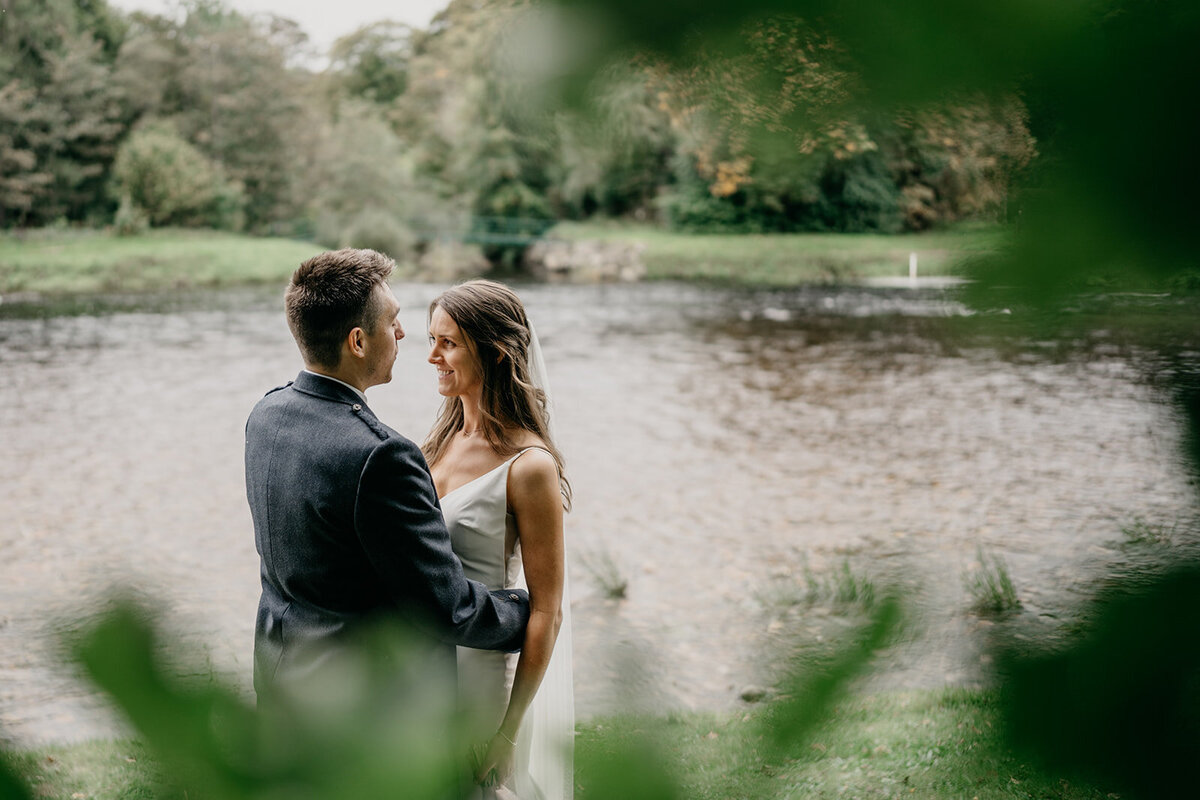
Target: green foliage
<point>362,188</point>
<point>1120,705</point>
<point>614,160</point>
<point>372,62</point>
<point>172,183</point>
<point>938,745</point>
<point>692,209</point>
<point>223,82</point>
<point>630,765</point>
<point>375,718</point>
<point>22,180</point>
<point>808,694</point>
<point>762,140</point>
<point>11,786</point>
<point>130,220</point>
<point>60,114</point>
<point>372,720</point>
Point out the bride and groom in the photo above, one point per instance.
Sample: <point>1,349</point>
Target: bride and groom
<point>462,537</point>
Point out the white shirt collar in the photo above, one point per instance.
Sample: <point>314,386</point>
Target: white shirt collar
<point>343,383</point>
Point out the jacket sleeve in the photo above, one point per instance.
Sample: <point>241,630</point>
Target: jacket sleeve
<point>400,526</point>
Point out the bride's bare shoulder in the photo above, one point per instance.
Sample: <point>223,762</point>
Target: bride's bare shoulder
<point>535,469</point>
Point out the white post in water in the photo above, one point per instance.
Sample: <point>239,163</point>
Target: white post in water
<point>912,266</point>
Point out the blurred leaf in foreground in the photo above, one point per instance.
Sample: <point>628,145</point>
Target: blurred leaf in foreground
<point>811,690</point>
<point>371,721</point>
<point>11,788</point>
<point>1121,706</point>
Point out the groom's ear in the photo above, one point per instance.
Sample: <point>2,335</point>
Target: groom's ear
<point>356,341</point>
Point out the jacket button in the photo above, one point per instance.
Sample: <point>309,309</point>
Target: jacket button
<point>356,407</point>
<point>513,597</point>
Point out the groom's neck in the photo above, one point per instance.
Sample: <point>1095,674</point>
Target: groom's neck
<point>344,376</point>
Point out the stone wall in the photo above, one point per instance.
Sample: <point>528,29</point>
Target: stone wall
<point>585,261</point>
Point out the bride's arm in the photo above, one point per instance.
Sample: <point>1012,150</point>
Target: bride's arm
<point>535,502</point>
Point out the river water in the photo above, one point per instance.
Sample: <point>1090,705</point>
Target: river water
<point>721,444</point>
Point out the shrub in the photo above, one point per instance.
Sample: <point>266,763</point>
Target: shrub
<point>375,229</point>
<point>130,220</point>
<point>173,183</point>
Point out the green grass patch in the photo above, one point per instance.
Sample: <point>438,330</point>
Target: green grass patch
<point>931,745</point>
<point>785,259</point>
<point>991,587</point>
<point>52,262</point>
<point>97,770</point>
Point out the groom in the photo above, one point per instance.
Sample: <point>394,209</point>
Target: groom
<point>346,520</point>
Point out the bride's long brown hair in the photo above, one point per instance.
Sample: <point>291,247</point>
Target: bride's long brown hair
<point>496,331</point>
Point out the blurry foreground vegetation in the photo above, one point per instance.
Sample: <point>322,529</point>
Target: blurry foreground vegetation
<point>368,735</point>
<point>934,745</point>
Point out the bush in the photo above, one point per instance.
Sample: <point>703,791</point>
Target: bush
<point>172,183</point>
<point>130,220</point>
<point>375,229</point>
<point>859,195</point>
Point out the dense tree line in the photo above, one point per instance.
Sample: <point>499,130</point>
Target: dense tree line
<point>212,118</point>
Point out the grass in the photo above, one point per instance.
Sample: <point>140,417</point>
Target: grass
<point>50,262</point>
<point>789,259</point>
<point>97,770</point>
<point>1139,532</point>
<point>842,589</point>
<point>930,745</point>
<point>991,588</point>
<point>605,573</point>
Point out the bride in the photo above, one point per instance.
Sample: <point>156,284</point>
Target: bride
<point>500,481</point>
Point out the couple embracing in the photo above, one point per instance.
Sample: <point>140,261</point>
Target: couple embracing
<point>462,538</point>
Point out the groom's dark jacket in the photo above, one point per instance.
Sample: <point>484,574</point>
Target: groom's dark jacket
<point>349,533</point>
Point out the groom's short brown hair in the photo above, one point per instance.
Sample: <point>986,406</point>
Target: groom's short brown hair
<point>331,294</point>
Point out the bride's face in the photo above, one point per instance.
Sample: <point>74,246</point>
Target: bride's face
<point>457,366</point>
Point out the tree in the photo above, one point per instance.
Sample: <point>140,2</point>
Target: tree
<point>475,138</point>
<point>60,115</point>
<point>362,186</point>
<point>614,161</point>
<point>224,82</point>
<point>372,63</point>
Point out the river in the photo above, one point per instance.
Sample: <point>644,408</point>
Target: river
<point>720,442</point>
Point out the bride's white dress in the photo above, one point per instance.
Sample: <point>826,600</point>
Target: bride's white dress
<point>484,537</point>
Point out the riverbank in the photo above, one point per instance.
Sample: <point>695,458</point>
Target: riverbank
<point>64,262</point>
<point>788,259</point>
<point>932,745</point>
